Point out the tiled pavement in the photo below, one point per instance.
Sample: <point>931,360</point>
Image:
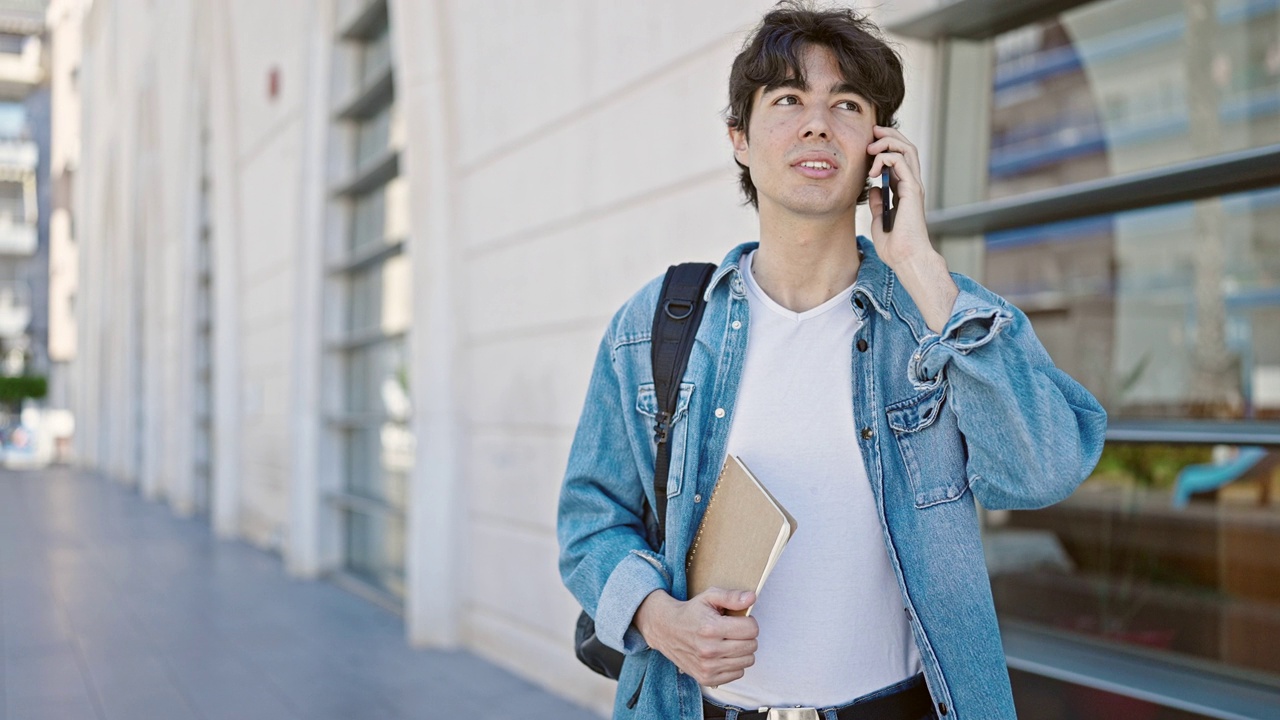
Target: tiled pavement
<point>113,609</point>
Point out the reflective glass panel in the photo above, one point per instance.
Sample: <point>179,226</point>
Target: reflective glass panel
<point>1169,547</point>
<point>1169,312</point>
<point>378,380</point>
<point>368,218</point>
<point>375,549</point>
<point>1125,85</point>
<point>381,297</point>
<point>375,56</point>
<point>380,215</point>
<point>379,458</point>
<point>373,136</point>
<point>1037,697</point>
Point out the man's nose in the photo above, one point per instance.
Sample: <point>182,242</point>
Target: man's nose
<point>816,124</point>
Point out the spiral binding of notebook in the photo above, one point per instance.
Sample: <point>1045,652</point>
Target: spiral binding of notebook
<point>697,539</point>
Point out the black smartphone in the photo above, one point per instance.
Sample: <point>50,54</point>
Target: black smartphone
<point>886,194</point>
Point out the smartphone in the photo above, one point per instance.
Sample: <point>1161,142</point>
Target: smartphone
<point>886,194</point>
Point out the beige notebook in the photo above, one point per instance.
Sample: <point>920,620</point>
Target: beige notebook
<point>741,536</point>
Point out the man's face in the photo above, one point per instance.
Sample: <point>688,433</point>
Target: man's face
<point>806,146</point>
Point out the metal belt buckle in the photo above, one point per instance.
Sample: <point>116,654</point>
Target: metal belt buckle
<point>797,713</point>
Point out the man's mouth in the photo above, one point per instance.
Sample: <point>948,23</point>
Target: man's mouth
<point>816,166</point>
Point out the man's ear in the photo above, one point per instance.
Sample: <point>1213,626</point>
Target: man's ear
<point>738,138</point>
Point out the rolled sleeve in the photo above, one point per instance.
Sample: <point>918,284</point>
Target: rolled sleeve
<point>638,575</point>
<point>974,322</point>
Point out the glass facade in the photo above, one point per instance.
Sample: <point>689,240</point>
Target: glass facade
<point>371,280</point>
<point>1167,313</point>
<point>1126,85</point>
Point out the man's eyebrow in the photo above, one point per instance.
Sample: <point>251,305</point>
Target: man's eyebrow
<point>790,83</point>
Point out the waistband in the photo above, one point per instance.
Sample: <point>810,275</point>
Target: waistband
<point>905,700</point>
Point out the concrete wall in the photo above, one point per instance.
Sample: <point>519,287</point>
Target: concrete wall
<point>590,157</point>
<point>559,153</point>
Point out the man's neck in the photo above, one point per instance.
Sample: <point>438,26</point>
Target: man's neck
<point>802,264</point>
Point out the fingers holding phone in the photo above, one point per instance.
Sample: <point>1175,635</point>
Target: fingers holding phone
<point>898,226</point>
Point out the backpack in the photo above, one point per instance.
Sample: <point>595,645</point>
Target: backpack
<point>675,322</point>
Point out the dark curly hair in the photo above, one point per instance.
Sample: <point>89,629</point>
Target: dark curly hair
<point>771,55</point>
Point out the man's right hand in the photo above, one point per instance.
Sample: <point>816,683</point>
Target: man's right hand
<point>695,634</point>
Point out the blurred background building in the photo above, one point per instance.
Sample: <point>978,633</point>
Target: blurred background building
<point>24,146</point>
<point>26,370</point>
<point>330,276</point>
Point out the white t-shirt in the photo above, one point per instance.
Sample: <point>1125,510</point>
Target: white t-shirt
<point>832,625</point>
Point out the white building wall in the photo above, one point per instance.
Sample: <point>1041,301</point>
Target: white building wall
<point>560,153</point>
<point>149,71</point>
<point>265,38</point>
<point>591,154</point>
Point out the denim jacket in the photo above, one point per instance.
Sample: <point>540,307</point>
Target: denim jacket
<point>976,412</point>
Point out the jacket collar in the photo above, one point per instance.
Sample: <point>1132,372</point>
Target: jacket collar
<point>874,282</point>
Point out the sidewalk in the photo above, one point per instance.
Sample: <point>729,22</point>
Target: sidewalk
<point>111,608</point>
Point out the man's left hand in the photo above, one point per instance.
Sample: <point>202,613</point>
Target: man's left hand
<point>906,248</point>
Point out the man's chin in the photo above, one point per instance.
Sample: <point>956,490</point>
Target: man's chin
<point>818,207</point>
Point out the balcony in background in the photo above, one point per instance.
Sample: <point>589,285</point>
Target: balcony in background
<point>15,308</point>
<point>16,154</point>
<point>17,238</point>
<point>21,72</point>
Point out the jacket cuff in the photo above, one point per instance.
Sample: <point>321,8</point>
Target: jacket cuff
<point>638,575</point>
<point>974,322</point>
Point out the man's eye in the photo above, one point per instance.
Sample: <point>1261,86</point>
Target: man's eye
<point>787,100</point>
<point>849,105</point>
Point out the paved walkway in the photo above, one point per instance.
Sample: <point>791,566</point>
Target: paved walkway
<point>113,609</point>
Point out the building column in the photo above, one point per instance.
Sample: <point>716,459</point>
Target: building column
<point>311,529</point>
<point>227,422</point>
<point>436,507</point>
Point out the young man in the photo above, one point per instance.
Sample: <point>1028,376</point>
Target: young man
<point>876,395</point>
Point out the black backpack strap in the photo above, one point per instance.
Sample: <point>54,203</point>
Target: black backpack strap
<point>675,322</point>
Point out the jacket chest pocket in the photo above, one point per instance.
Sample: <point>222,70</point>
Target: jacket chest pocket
<point>647,406</point>
<point>931,445</point>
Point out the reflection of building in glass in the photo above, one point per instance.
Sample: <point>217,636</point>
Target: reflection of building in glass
<point>1104,90</point>
<point>1169,311</point>
<point>1121,86</point>
<point>1113,299</point>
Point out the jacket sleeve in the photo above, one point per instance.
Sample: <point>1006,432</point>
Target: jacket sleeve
<point>1033,433</point>
<point>605,561</point>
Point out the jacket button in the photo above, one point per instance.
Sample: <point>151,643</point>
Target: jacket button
<point>942,708</point>
<point>867,433</point>
<point>719,412</point>
<point>862,345</point>
<point>698,498</point>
